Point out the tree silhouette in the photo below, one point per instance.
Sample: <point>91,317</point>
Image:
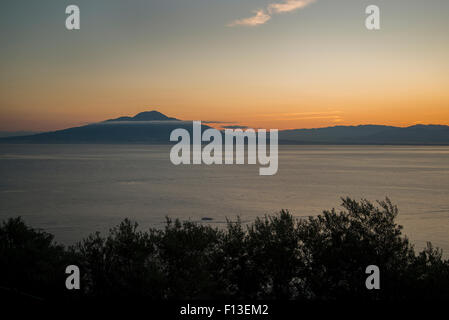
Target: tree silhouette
<point>275,257</point>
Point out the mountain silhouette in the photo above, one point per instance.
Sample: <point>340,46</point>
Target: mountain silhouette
<point>4,134</point>
<point>145,116</point>
<point>153,127</point>
<point>149,127</point>
<point>369,134</point>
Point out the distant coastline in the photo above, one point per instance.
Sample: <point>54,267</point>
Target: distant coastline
<point>153,127</point>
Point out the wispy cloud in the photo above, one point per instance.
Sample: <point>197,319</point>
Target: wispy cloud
<point>264,15</point>
<point>295,114</point>
<point>333,118</point>
<point>288,6</point>
<point>235,127</point>
<point>332,115</point>
<point>260,17</point>
<point>218,122</point>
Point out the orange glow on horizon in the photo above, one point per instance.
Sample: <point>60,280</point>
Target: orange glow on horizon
<point>309,69</point>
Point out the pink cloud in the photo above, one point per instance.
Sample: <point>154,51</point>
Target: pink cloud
<point>262,16</point>
<point>288,6</point>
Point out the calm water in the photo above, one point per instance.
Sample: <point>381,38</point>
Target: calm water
<point>73,190</point>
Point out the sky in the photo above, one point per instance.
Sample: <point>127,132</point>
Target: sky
<point>257,63</point>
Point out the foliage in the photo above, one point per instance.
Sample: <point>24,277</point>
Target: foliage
<point>32,266</point>
<point>275,257</point>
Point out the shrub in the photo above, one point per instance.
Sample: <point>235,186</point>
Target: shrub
<point>32,265</point>
<point>124,264</point>
<point>275,257</point>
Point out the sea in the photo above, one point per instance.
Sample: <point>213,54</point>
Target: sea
<point>73,190</point>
